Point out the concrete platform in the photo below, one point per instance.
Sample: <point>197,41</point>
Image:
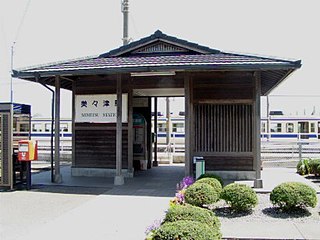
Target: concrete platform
<point>93,208</point>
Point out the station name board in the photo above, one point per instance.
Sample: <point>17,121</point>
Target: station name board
<point>99,108</point>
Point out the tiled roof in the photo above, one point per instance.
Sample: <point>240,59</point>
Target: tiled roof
<point>160,52</point>
<point>206,61</point>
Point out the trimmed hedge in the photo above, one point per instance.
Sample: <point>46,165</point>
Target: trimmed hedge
<point>211,175</point>
<point>186,230</point>
<point>199,194</point>
<point>314,164</point>
<point>291,195</point>
<point>308,166</point>
<point>303,167</point>
<point>240,197</point>
<point>212,182</point>
<point>192,213</point>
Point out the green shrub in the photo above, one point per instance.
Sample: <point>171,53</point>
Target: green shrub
<point>186,230</point>
<point>291,195</point>
<point>192,213</point>
<point>240,197</point>
<point>303,167</point>
<point>211,175</point>
<point>314,164</point>
<point>318,170</point>
<point>199,194</point>
<point>212,182</point>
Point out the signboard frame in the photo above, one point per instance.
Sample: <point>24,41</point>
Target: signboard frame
<point>99,108</point>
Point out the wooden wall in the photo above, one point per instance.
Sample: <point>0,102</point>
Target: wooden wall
<point>223,120</point>
<point>95,145</point>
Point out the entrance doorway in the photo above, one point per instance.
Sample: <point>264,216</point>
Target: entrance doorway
<point>168,130</point>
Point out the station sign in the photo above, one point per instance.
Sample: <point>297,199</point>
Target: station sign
<point>99,108</point>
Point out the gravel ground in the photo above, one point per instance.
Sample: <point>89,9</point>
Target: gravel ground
<point>265,212</point>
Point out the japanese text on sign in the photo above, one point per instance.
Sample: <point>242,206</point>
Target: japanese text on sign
<point>99,108</point>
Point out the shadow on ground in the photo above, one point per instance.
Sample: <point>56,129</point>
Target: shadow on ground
<point>275,212</point>
<point>158,181</point>
<point>228,212</point>
<point>70,189</point>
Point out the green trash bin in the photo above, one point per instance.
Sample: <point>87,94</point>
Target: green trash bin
<point>200,166</point>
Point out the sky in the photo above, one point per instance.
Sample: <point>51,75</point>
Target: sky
<point>46,31</point>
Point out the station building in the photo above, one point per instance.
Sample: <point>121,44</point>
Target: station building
<point>112,101</point>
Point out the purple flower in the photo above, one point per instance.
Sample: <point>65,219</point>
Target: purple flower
<point>187,181</point>
<point>155,225</point>
<point>180,197</point>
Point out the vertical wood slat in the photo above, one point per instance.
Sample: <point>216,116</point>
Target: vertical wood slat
<point>223,128</point>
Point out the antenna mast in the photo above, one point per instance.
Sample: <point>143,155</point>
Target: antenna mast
<point>125,11</point>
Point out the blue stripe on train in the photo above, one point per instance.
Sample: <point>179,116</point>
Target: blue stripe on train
<point>288,135</point>
<point>179,135</point>
<point>49,135</point>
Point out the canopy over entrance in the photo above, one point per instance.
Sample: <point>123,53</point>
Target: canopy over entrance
<point>222,99</point>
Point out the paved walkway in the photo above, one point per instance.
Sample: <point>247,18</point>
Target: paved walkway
<point>123,212</point>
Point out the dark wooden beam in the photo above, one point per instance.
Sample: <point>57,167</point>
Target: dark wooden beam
<point>188,124</point>
<point>57,175</point>
<point>119,180</point>
<point>130,128</point>
<point>155,162</point>
<point>257,131</point>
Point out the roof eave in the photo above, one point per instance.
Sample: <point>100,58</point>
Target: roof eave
<point>290,71</point>
<point>209,67</point>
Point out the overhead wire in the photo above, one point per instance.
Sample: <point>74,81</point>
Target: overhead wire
<point>22,21</point>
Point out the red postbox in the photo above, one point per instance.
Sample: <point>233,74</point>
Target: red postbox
<point>28,150</point>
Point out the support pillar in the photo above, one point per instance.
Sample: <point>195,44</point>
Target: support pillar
<point>130,130</point>
<point>257,131</point>
<point>73,124</point>
<point>188,125</point>
<point>119,179</point>
<point>57,175</point>
<point>155,161</point>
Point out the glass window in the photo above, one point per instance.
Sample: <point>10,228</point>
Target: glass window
<point>162,127</point>
<point>47,127</point>
<point>263,127</point>
<point>37,127</point>
<point>63,127</point>
<point>312,127</point>
<point>24,127</point>
<point>290,128</point>
<point>178,127</point>
<point>275,127</point>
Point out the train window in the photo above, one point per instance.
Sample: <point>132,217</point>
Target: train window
<point>312,127</point>
<point>275,127</point>
<point>263,127</point>
<point>37,127</point>
<point>63,127</point>
<point>178,127</point>
<point>24,127</point>
<point>290,127</point>
<point>162,127</point>
<point>47,127</point>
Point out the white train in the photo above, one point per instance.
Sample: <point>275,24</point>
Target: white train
<point>276,128</point>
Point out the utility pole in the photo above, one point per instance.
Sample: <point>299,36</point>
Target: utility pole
<point>11,79</point>
<point>125,11</point>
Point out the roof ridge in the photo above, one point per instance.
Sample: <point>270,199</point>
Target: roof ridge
<point>157,35</point>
